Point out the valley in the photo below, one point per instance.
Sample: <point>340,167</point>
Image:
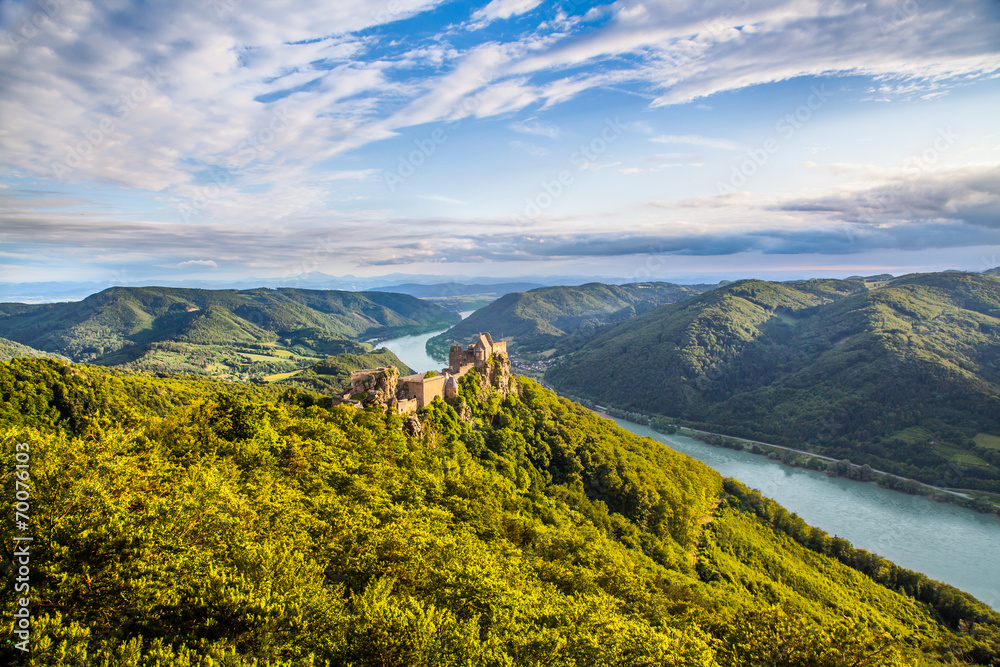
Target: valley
<point>709,535</point>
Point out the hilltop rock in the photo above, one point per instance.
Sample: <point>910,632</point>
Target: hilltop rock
<point>497,374</point>
<point>375,386</point>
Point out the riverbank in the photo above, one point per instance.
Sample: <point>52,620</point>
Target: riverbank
<point>799,458</point>
<point>843,468</point>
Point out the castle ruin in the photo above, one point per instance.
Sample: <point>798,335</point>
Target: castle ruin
<point>413,392</point>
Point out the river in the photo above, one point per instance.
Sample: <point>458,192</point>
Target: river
<point>946,542</point>
<point>943,541</point>
<point>412,350</point>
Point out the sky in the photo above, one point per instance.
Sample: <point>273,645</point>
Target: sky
<point>225,139</point>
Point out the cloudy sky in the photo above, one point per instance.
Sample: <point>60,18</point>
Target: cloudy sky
<point>218,139</point>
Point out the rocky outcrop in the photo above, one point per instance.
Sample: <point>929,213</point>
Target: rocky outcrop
<point>498,374</point>
<point>413,425</point>
<point>495,374</point>
<point>374,387</point>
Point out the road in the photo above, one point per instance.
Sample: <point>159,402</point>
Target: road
<point>827,458</point>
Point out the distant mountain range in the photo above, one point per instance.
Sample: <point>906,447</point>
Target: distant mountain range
<point>445,290</point>
<point>46,292</point>
<point>901,373</point>
<point>535,320</point>
<point>218,332</point>
<point>459,296</point>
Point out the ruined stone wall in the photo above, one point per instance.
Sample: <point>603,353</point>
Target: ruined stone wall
<point>407,405</point>
<point>383,386</point>
<point>476,355</point>
<point>423,389</point>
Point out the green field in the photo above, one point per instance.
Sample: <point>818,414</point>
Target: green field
<point>277,377</point>
<point>988,441</point>
<point>278,355</point>
<point>914,434</point>
<point>960,456</point>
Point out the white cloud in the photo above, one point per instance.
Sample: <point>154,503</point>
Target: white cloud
<point>354,175</point>
<point>536,127</point>
<point>531,149</point>
<point>442,198</point>
<point>504,9</point>
<point>697,140</point>
<point>936,208</point>
<point>242,115</point>
<point>653,170</point>
<point>80,101</point>
<point>704,48</point>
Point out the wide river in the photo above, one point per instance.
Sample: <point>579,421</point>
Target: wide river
<point>412,350</point>
<point>943,541</point>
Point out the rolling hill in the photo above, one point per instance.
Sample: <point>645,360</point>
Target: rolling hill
<point>10,350</point>
<point>536,320</point>
<point>188,521</point>
<point>904,377</point>
<point>331,375</point>
<point>225,332</point>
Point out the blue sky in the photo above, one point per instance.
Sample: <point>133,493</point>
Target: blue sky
<point>636,139</point>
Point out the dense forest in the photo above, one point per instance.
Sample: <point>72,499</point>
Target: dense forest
<point>239,334</point>
<point>534,321</point>
<point>333,374</point>
<point>11,350</point>
<point>903,376</point>
<point>181,520</point>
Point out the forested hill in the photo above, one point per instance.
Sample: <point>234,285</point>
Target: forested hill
<point>333,374</point>
<point>10,350</point>
<point>904,377</point>
<point>174,329</point>
<point>183,521</point>
<point>535,320</point>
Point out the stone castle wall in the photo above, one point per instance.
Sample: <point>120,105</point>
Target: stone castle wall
<point>413,392</point>
<point>423,389</point>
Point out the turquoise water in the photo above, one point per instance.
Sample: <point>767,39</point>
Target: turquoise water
<point>945,542</point>
<point>412,350</point>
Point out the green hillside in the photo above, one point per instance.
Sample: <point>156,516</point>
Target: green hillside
<point>902,377</point>
<point>10,350</point>
<point>193,522</point>
<point>233,333</point>
<point>536,320</point>
<point>333,374</point>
